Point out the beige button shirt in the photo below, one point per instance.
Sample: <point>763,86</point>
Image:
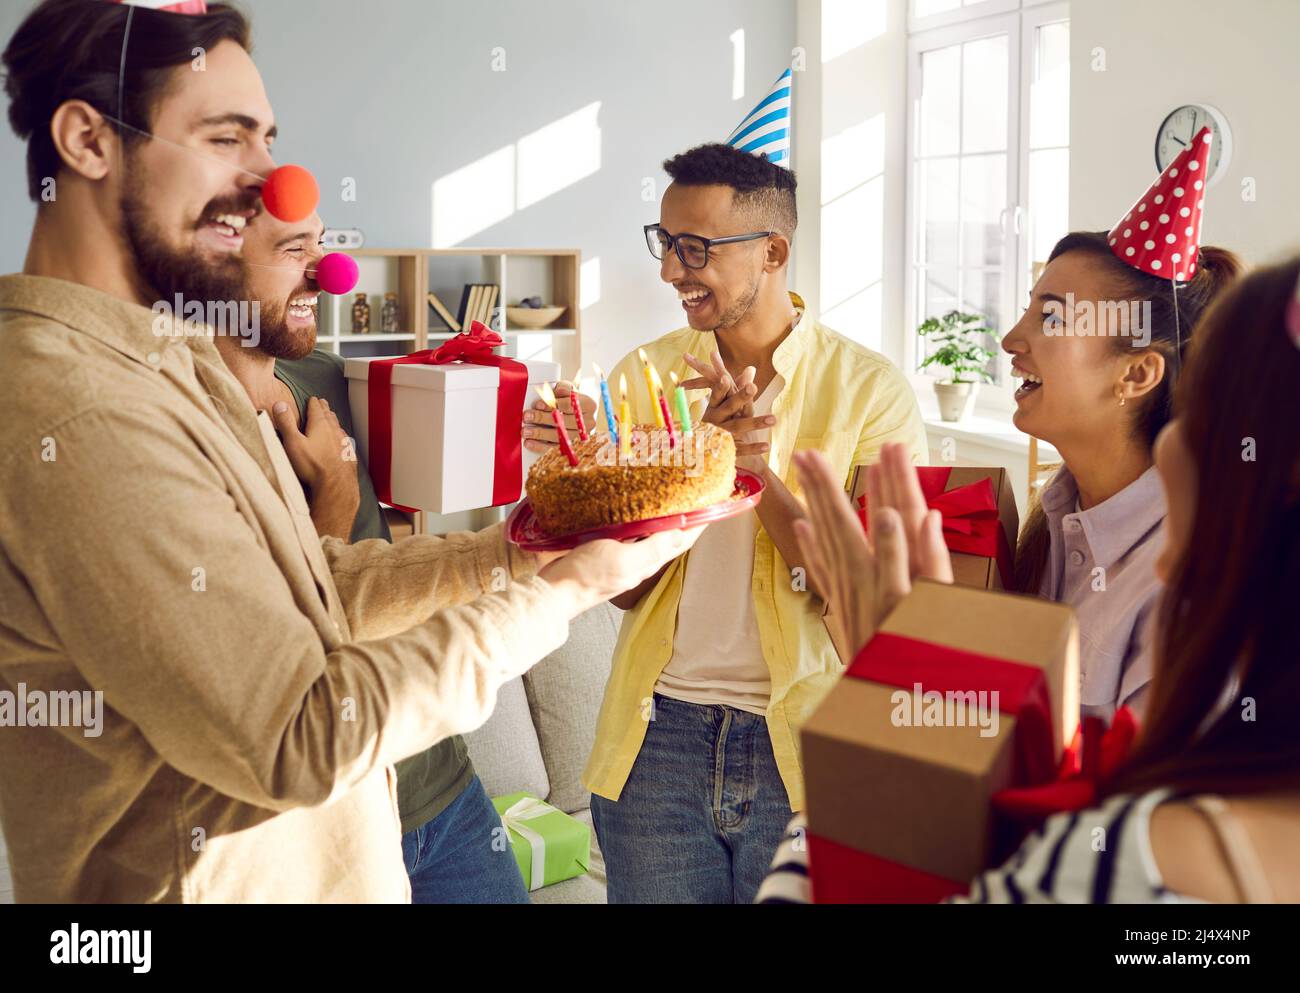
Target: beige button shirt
<point>257,682</point>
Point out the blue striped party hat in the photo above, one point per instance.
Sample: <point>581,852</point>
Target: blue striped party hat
<point>766,129</point>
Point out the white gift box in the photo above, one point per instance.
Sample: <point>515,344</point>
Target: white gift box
<point>444,430</point>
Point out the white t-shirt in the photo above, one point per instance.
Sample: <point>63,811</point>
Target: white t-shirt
<point>717,654</point>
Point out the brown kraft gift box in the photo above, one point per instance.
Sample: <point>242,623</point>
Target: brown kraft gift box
<point>901,812</point>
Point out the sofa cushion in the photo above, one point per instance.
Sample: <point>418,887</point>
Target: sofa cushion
<point>505,750</point>
<point>564,693</point>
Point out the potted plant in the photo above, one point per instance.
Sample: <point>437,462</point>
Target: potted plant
<point>960,351</point>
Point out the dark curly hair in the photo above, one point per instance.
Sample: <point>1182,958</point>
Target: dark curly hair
<point>72,50</point>
<point>760,187</point>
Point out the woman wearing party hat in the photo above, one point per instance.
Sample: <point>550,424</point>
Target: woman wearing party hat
<point>1099,350</point>
<point>1206,805</point>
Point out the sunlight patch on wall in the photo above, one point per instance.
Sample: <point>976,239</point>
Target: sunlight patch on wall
<point>490,189</point>
<point>854,156</point>
<point>850,24</point>
<point>558,155</point>
<point>589,283</point>
<point>738,64</point>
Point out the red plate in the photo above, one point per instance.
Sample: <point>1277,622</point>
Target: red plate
<point>524,531</point>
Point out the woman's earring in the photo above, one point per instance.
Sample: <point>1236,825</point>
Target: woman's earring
<point>1122,399</point>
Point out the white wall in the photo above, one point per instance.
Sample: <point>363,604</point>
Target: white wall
<point>851,160</point>
<point>1239,57</point>
<point>555,151</point>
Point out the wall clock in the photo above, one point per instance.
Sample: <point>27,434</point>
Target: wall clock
<point>1178,128</point>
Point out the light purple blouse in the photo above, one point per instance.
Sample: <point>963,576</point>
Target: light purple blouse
<point>1102,563</point>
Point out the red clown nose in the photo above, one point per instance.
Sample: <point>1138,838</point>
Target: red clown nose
<point>290,193</point>
<point>336,273</point>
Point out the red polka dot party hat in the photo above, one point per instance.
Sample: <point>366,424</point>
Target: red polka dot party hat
<point>1161,235</point>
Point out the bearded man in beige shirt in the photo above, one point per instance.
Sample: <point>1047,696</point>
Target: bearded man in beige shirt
<point>250,684</point>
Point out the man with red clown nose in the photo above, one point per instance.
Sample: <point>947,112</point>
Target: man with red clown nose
<point>243,688</point>
<point>447,817</point>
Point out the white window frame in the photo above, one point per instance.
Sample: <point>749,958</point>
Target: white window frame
<point>1018,20</point>
<point>960,15</point>
<point>969,12</point>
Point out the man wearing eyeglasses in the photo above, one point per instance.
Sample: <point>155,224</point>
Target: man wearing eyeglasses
<point>722,654</point>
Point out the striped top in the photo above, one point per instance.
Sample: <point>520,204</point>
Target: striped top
<point>1099,855</point>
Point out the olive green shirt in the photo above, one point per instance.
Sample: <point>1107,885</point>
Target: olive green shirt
<point>428,782</point>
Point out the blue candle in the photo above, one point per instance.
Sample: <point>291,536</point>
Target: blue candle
<point>608,404</point>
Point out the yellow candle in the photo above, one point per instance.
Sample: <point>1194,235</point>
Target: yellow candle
<point>624,421</point>
<point>650,376</point>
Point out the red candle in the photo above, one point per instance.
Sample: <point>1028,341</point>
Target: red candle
<point>668,421</point>
<point>544,391</point>
<point>565,446</point>
<point>577,415</point>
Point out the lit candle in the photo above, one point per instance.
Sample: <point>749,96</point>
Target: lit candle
<point>683,408</point>
<point>548,396</point>
<point>608,404</point>
<point>577,408</point>
<point>624,421</point>
<point>650,375</point>
<point>663,409</point>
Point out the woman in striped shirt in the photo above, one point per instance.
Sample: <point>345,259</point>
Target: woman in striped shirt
<point>1207,808</point>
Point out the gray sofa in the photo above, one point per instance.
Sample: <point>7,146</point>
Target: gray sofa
<point>541,732</point>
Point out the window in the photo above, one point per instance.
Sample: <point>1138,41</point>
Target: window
<point>988,155</point>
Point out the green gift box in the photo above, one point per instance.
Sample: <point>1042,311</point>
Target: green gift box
<point>549,845</point>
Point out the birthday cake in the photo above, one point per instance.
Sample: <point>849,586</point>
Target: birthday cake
<point>653,476</point>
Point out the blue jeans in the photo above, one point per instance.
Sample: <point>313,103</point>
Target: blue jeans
<point>451,859</point>
<point>702,812</point>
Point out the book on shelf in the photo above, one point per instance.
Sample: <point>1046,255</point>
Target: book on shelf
<point>490,304</point>
<point>475,296</point>
<point>477,302</point>
<point>439,308</point>
<point>463,316</point>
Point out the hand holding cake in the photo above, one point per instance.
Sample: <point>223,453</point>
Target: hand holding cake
<point>539,431</point>
<point>600,570</point>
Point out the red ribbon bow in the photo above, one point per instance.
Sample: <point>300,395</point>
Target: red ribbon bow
<point>473,347</point>
<point>971,525</point>
<point>1097,752</point>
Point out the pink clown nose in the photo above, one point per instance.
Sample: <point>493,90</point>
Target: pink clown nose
<point>290,193</point>
<point>337,273</point>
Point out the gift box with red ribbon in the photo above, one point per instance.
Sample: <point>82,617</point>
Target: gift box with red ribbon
<point>980,524</point>
<point>439,429</point>
<point>961,694</point>
<point>980,521</point>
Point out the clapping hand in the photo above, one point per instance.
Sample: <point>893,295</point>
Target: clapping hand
<point>865,578</point>
<point>731,403</point>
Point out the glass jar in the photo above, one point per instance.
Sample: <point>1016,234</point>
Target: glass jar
<point>388,315</point>
<point>360,315</point>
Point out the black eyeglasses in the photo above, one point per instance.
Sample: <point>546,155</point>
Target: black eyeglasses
<point>692,250</point>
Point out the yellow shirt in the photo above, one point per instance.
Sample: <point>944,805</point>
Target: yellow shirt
<point>840,398</point>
